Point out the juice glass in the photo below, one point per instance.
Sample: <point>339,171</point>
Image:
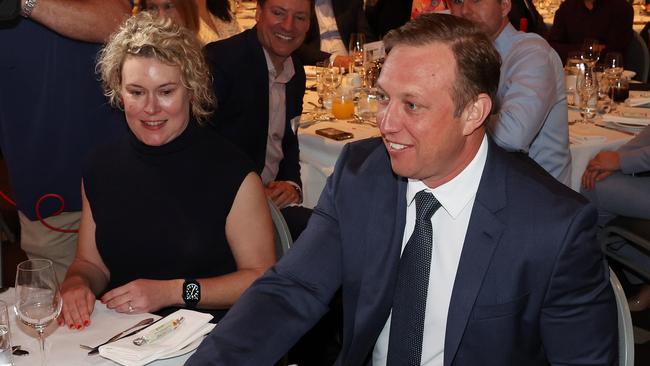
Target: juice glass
<point>343,106</point>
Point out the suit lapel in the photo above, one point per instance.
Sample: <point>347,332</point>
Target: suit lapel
<point>383,238</point>
<point>483,235</point>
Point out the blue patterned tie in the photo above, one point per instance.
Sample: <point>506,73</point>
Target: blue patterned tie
<point>410,300</point>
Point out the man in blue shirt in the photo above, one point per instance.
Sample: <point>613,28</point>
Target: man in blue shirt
<point>532,117</point>
<point>52,112</point>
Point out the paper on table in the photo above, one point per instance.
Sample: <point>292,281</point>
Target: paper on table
<point>194,326</point>
<point>310,71</point>
<point>638,99</point>
<point>629,115</point>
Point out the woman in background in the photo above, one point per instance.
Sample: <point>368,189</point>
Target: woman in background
<point>173,215</point>
<point>216,20</point>
<point>210,20</point>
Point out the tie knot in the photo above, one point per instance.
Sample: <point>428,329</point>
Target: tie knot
<point>426,205</point>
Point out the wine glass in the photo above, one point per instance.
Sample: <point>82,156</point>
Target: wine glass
<point>613,65</point>
<point>587,85</point>
<point>590,52</point>
<point>572,69</point>
<point>38,299</point>
<point>331,78</point>
<point>355,52</point>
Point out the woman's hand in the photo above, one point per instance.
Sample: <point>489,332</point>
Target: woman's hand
<point>78,304</point>
<point>143,296</point>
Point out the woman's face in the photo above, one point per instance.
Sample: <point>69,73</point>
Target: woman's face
<point>165,8</point>
<point>156,104</point>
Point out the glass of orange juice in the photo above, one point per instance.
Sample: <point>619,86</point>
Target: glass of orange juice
<point>343,106</point>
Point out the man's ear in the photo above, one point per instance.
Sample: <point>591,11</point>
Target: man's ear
<point>476,113</point>
<point>506,5</point>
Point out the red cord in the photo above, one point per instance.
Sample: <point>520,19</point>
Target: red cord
<point>40,218</point>
<point>38,210</point>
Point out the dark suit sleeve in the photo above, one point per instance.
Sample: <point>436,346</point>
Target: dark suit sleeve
<point>578,320</point>
<point>350,18</point>
<point>288,300</point>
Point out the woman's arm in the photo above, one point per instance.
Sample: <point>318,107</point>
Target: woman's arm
<point>87,275</point>
<point>249,230</point>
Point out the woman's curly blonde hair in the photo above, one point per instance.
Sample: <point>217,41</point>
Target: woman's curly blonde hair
<point>147,36</point>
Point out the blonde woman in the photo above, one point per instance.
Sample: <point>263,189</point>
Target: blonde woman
<point>173,215</point>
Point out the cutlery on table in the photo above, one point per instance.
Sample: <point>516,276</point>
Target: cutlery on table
<point>16,351</point>
<point>125,333</point>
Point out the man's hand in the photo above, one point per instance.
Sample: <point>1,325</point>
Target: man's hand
<point>599,168</point>
<point>282,193</point>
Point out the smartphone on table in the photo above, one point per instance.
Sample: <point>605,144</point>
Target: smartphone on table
<point>334,134</point>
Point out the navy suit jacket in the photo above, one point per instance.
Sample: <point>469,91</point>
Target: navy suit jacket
<point>241,84</point>
<point>532,287</point>
<point>350,18</point>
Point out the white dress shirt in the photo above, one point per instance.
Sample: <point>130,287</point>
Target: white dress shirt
<point>450,224</point>
<point>277,117</point>
<point>330,38</point>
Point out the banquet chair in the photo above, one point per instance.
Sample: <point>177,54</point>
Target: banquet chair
<point>283,239</point>
<point>625,332</point>
<point>626,241</point>
<point>637,58</point>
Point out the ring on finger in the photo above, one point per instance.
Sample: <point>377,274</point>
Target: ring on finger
<point>131,309</point>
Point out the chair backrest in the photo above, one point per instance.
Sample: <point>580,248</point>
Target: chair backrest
<point>626,240</point>
<point>637,58</point>
<point>283,239</point>
<point>625,333</point>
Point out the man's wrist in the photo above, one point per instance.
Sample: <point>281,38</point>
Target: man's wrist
<point>297,188</point>
<point>27,7</point>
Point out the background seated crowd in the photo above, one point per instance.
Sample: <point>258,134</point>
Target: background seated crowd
<point>199,129</point>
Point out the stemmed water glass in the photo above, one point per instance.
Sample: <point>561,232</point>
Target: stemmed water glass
<point>38,299</point>
<point>587,86</point>
<point>355,51</point>
<point>590,52</point>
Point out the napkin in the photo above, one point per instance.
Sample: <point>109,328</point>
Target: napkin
<point>638,102</point>
<point>578,137</point>
<point>194,326</point>
<point>629,116</point>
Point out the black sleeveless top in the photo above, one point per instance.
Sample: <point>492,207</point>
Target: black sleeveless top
<point>160,211</point>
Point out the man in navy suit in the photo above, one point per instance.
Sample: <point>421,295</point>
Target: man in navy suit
<point>515,276</point>
<point>259,87</point>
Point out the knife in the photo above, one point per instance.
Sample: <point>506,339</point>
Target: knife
<point>145,323</point>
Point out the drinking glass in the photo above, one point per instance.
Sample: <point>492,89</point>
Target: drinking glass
<point>590,52</point>
<point>331,78</point>
<point>587,86</point>
<point>343,106</point>
<point>613,65</point>
<point>6,358</point>
<point>38,299</point>
<point>367,105</point>
<point>355,51</point>
<point>619,90</point>
<point>574,65</point>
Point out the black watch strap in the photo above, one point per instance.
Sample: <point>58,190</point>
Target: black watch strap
<point>191,293</point>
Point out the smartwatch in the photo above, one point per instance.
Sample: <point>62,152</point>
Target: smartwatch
<point>191,293</point>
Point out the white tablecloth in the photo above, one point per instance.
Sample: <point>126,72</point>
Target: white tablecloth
<point>62,344</point>
<point>318,154</point>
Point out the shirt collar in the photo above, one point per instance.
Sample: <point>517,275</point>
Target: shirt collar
<point>504,39</point>
<point>458,192</point>
<point>287,69</point>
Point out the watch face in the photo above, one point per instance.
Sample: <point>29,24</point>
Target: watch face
<point>192,292</point>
